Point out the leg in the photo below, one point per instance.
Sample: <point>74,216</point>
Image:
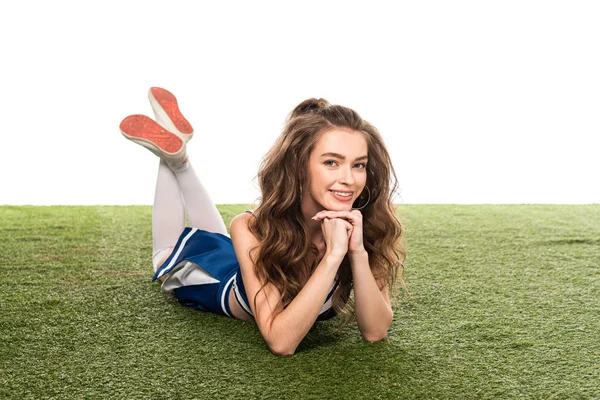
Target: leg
<point>201,211</point>
<point>176,177</point>
<point>168,215</point>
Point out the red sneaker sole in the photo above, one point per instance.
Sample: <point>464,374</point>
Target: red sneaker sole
<point>168,102</point>
<point>145,128</point>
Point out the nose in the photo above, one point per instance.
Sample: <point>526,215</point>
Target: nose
<point>346,175</point>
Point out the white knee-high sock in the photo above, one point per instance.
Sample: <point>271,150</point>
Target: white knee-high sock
<point>168,212</point>
<point>201,211</point>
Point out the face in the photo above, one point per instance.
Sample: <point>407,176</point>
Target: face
<point>337,171</point>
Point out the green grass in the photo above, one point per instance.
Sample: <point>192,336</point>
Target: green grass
<point>504,303</point>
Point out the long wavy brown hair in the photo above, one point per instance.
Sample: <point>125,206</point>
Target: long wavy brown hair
<point>284,243</point>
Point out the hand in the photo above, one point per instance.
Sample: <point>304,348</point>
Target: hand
<point>354,217</point>
<point>336,233</point>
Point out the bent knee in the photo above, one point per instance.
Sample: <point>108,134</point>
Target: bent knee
<point>160,257</point>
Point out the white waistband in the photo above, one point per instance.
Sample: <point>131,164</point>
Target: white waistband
<point>238,296</point>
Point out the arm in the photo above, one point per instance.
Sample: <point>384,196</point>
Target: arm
<point>283,332</point>
<point>372,305</point>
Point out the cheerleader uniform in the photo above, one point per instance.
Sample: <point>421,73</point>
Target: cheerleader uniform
<point>203,269</point>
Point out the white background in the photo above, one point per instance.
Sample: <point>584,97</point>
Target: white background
<point>478,101</point>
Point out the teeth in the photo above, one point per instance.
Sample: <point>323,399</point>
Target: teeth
<point>342,194</point>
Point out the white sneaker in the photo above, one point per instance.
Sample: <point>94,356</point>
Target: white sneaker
<point>146,132</point>
<point>167,113</point>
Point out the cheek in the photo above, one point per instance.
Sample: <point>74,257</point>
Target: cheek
<point>316,184</point>
<point>320,185</point>
<point>362,179</point>
<point>313,181</point>
<point>316,176</point>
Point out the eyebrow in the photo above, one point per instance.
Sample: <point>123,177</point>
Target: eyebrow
<point>341,157</point>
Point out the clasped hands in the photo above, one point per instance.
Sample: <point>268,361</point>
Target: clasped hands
<point>342,231</point>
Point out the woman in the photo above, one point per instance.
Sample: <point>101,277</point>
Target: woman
<point>325,225</point>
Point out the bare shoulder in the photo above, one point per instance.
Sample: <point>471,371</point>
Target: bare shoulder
<point>239,224</point>
<point>241,236</point>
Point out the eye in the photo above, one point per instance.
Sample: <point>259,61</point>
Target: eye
<point>330,163</point>
<point>360,165</point>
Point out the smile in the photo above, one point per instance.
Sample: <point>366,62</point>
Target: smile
<point>341,196</point>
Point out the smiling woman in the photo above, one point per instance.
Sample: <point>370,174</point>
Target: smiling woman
<point>337,166</point>
<point>324,227</point>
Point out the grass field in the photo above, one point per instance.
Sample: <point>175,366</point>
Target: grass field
<point>504,303</point>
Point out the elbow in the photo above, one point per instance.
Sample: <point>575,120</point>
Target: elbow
<point>377,333</point>
<point>280,346</point>
<point>282,350</point>
<point>374,336</point>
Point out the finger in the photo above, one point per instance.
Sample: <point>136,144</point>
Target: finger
<point>326,216</point>
<point>349,230</point>
<point>338,214</point>
<point>320,215</point>
<point>347,215</point>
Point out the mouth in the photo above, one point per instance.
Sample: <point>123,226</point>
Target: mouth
<point>342,195</point>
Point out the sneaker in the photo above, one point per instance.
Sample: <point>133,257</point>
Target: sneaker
<point>167,113</point>
<point>146,132</point>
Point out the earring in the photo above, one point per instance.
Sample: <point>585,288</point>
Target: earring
<point>368,199</point>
